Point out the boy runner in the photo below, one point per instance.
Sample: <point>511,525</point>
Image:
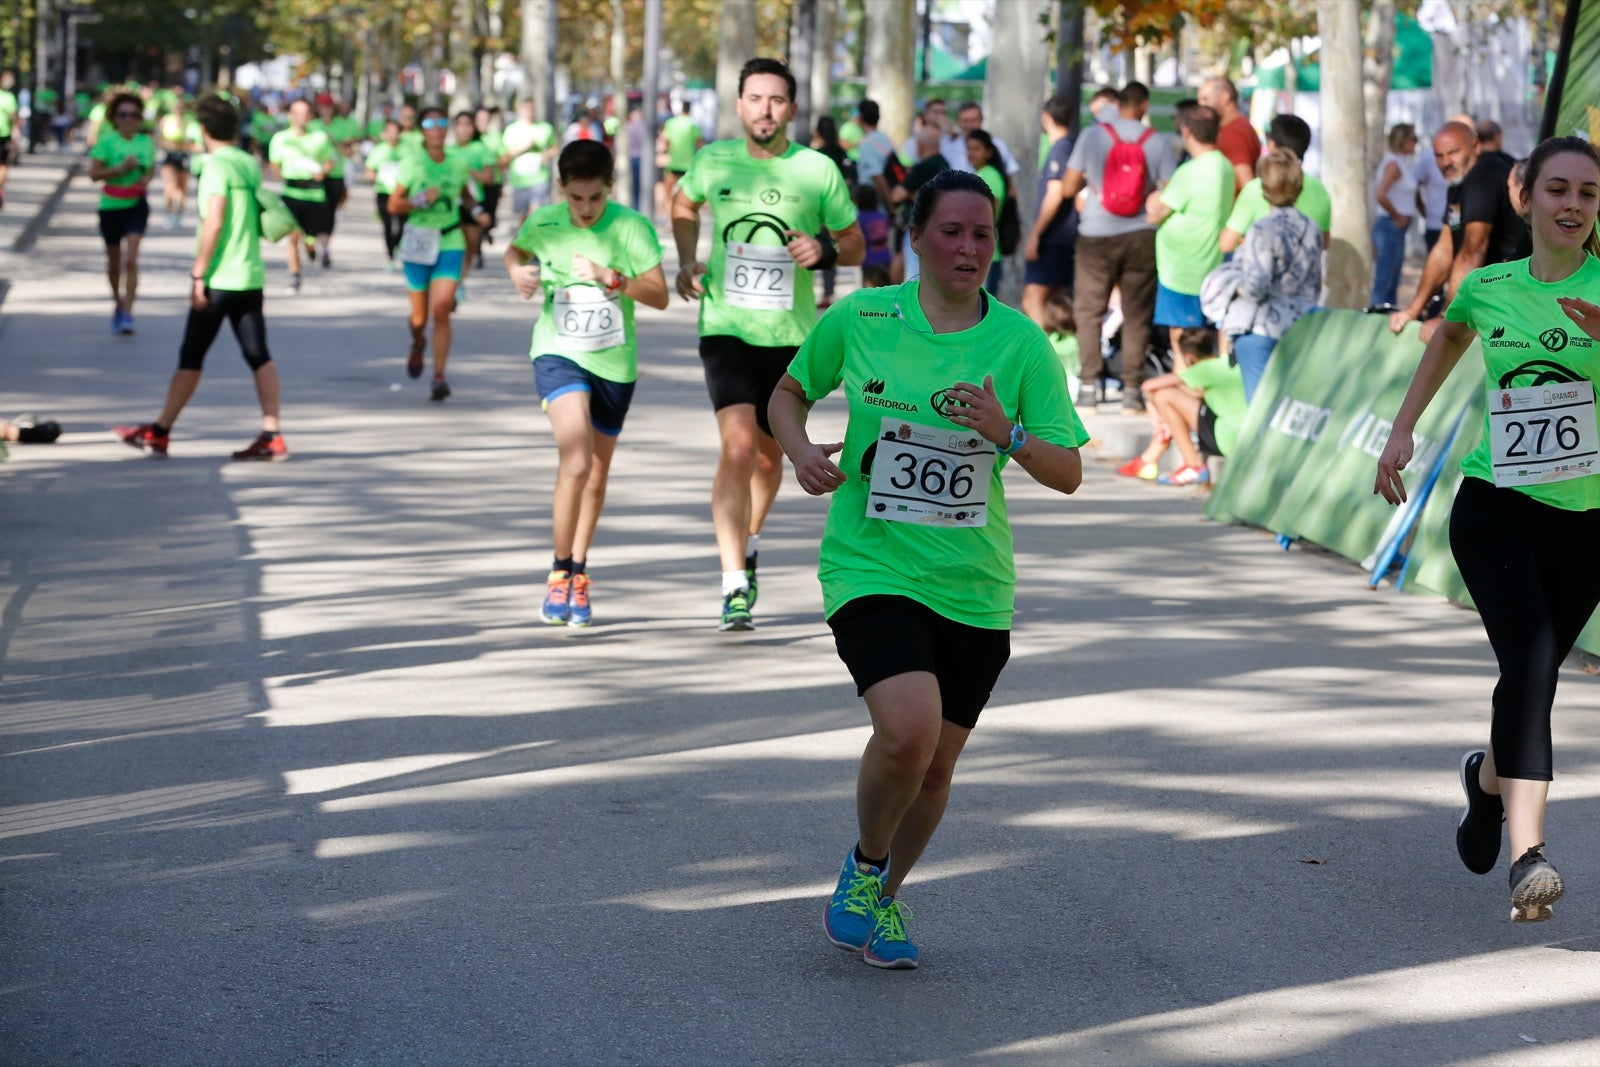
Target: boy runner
<point>591,259</point>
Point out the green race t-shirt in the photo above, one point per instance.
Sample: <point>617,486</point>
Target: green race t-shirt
<point>1199,194</point>
<point>494,145</point>
<point>997,185</point>
<point>384,162</point>
<point>300,158</point>
<point>236,264</point>
<point>475,155</point>
<point>110,149</point>
<point>1313,201</point>
<point>527,142</point>
<point>1528,340</point>
<point>8,111</point>
<point>761,296</point>
<point>411,141</point>
<point>1223,387</point>
<point>681,133</point>
<point>1066,349</point>
<point>341,130</point>
<point>574,321</point>
<point>895,371</point>
<point>418,172</point>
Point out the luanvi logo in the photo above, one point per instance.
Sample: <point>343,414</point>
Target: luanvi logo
<point>1491,278</point>
<point>1497,333</point>
<point>875,314</point>
<point>873,386</point>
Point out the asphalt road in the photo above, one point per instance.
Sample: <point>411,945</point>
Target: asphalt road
<point>290,773</point>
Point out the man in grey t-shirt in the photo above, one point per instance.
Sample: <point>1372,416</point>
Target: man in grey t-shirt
<point>1116,250</point>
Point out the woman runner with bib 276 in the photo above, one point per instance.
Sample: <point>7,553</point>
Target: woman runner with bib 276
<point>1527,515</point>
<point>593,258</point>
<point>918,580</point>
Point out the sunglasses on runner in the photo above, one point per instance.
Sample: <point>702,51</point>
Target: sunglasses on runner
<point>435,124</point>
<point>130,114</point>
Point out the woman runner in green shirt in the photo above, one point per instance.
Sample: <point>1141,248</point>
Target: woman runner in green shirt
<point>916,564</point>
<point>1526,518</point>
<point>124,159</point>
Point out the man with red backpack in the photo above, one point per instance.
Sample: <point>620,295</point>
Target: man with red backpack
<point>1120,163</point>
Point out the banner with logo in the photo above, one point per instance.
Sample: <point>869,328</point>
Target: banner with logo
<point>1318,424</point>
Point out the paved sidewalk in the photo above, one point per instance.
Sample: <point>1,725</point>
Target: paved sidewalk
<point>32,189</point>
<point>290,774</point>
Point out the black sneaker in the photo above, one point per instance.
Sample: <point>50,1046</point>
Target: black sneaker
<point>750,576</point>
<point>440,390</point>
<point>1535,885</point>
<point>1478,832</point>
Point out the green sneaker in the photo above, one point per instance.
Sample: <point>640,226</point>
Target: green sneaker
<point>889,946</point>
<point>736,612</point>
<point>750,576</point>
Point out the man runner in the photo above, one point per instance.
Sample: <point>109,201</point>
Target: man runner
<point>591,259</point>
<point>768,197</point>
<point>527,147</point>
<point>226,279</point>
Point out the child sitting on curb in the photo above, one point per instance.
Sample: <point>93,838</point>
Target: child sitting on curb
<point>1200,407</point>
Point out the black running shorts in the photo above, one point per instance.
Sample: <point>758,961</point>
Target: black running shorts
<point>880,636</point>
<point>738,372</point>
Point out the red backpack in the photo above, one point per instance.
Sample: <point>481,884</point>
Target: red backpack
<point>1127,176</point>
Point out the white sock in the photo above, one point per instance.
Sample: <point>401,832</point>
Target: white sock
<point>733,581</point>
<point>751,545</point>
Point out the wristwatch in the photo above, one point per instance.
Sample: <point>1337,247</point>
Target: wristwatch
<point>1019,437</point>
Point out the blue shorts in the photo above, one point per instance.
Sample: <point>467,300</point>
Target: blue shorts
<point>609,401</point>
<point>1177,309</point>
<point>1053,268</point>
<point>448,269</point>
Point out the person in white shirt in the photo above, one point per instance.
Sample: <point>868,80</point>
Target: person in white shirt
<point>954,145</point>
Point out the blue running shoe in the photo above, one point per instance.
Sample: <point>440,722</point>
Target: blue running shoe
<point>889,946</point>
<point>578,601</point>
<point>853,908</point>
<point>116,321</point>
<point>127,323</point>
<point>557,609</point>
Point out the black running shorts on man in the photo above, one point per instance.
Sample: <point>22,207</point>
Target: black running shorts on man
<point>738,372</point>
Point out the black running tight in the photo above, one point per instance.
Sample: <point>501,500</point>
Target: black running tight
<point>1529,567</point>
<point>392,225</point>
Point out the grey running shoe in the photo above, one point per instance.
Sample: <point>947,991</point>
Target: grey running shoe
<point>1478,832</point>
<point>1535,885</point>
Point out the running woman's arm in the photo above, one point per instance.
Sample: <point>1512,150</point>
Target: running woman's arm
<point>1052,466</point>
<point>1438,360</point>
<point>216,206</point>
<point>401,201</point>
<point>686,235</point>
<point>787,412</point>
<point>100,171</point>
<point>1582,312</point>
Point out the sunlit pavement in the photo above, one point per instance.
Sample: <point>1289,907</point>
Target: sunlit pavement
<point>292,773</point>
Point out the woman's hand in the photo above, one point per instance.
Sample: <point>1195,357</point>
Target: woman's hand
<point>979,409</point>
<point>1396,454</point>
<point>1582,312</point>
<point>816,473</point>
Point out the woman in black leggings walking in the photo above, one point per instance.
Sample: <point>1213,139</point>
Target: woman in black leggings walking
<point>1527,516</point>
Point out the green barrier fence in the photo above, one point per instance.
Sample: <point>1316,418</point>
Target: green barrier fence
<point>1307,455</point>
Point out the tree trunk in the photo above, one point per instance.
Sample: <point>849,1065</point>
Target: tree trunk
<point>622,187</point>
<point>822,58</point>
<point>802,54</point>
<point>537,47</point>
<point>736,43</point>
<point>891,64</point>
<point>1069,51</point>
<point>459,59</point>
<point>1377,73</point>
<point>1344,139</point>
<point>1013,96</point>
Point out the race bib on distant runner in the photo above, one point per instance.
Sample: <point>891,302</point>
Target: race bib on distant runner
<point>419,245</point>
<point>388,174</point>
<point>1542,433</point>
<point>587,319</point>
<point>528,165</point>
<point>930,476</point>
<point>758,277</point>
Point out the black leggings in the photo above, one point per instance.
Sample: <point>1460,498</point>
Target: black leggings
<point>243,311</point>
<point>392,225</point>
<point>1529,568</point>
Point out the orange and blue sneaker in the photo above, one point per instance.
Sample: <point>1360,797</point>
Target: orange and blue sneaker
<point>557,609</point>
<point>853,909</point>
<point>578,601</point>
<point>889,947</point>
